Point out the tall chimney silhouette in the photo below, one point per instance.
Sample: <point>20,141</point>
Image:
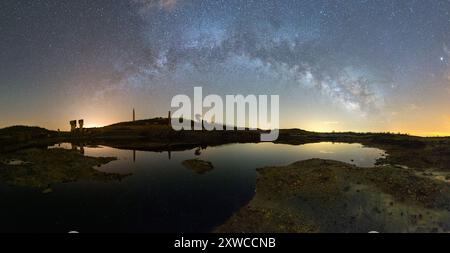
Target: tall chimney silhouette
<point>169,117</point>
<point>134,115</point>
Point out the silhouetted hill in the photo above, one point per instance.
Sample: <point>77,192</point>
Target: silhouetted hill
<point>25,132</point>
<point>16,137</point>
<point>145,122</point>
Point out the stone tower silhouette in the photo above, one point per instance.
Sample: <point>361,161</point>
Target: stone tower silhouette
<point>81,124</point>
<point>73,125</point>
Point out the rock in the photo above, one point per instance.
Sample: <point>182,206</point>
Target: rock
<point>47,191</point>
<point>14,162</point>
<point>385,197</point>
<point>198,166</point>
<point>46,167</point>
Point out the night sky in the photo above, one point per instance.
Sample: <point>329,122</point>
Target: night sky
<point>337,65</point>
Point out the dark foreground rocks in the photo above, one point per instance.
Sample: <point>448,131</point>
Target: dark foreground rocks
<point>42,168</point>
<point>329,196</point>
<point>198,166</point>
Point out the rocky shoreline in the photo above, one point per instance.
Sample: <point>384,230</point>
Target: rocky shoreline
<point>42,168</point>
<point>329,196</point>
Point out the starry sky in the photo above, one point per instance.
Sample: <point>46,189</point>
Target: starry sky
<point>356,65</point>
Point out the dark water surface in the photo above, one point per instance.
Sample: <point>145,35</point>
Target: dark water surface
<point>160,195</point>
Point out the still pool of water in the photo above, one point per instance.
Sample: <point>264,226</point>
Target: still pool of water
<point>160,194</point>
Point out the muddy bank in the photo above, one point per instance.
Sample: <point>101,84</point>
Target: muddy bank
<point>329,196</point>
<point>433,156</point>
<point>198,166</point>
<point>42,168</point>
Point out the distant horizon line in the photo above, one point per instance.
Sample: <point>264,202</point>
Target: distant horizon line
<point>289,128</point>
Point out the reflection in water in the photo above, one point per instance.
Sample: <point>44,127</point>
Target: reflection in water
<point>78,147</point>
<point>161,195</point>
<point>260,154</point>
